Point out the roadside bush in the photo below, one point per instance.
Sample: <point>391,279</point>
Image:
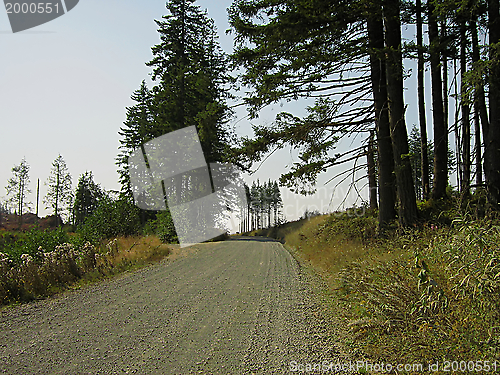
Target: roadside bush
<point>165,229</point>
<point>435,291</point>
<point>7,239</point>
<point>46,271</point>
<point>30,242</point>
<point>351,225</point>
<point>428,293</point>
<point>111,219</point>
<point>473,256</point>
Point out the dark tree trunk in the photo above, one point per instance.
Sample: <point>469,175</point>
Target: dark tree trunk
<point>372,177</point>
<point>479,88</point>
<point>477,145</point>
<point>183,65</point>
<point>492,140</point>
<point>465,113</point>
<point>440,129</point>
<point>386,182</point>
<point>424,154</point>
<point>481,122</point>
<point>21,202</point>
<point>402,165</point>
<point>37,196</point>
<point>57,196</point>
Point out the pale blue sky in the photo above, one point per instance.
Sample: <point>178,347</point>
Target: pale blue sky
<point>64,87</point>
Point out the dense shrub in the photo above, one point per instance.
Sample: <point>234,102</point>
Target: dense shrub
<point>111,218</point>
<point>353,225</point>
<point>435,291</point>
<point>165,229</point>
<point>48,240</point>
<point>7,239</point>
<point>30,242</point>
<point>39,275</point>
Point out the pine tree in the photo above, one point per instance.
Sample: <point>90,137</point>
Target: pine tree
<point>17,189</point>
<point>191,73</point>
<point>386,180</point>
<point>59,194</point>
<point>270,44</point>
<point>277,204</point>
<point>424,162</point>
<point>87,197</point>
<point>138,128</point>
<point>406,192</point>
<point>492,138</point>
<point>438,111</point>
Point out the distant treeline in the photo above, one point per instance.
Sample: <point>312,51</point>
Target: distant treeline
<point>264,206</point>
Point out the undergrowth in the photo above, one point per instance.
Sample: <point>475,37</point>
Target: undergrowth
<point>44,272</point>
<point>418,295</point>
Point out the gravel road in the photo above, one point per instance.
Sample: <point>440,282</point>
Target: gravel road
<point>235,307</point>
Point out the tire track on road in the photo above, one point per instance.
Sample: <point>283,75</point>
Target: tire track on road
<point>236,307</point>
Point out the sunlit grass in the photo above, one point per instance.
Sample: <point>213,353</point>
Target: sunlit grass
<point>425,294</point>
<point>71,266</point>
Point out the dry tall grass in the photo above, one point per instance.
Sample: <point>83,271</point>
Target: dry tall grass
<point>421,295</point>
<point>68,265</point>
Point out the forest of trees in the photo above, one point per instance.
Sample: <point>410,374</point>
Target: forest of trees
<point>191,83</point>
<point>264,206</point>
<point>349,56</point>
<point>190,76</point>
<point>59,195</point>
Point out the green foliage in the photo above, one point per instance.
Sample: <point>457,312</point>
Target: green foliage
<point>295,48</point>
<point>8,239</point>
<point>264,205</point>
<point>87,197</point>
<point>111,218</point>
<point>190,74</point>
<point>271,40</point>
<point>45,273</point>
<point>441,211</point>
<point>415,295</point>
<point>353,225</point>
<point>474,258</point>
<point>414,144</point>
<point>59,195</point>
<point>31,242</point>
<point>165,229</point>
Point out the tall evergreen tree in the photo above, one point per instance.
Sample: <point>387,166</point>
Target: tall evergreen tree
<point>465,108</point>
<point>386,177</point>
<point>440,128</point>
<point>277,204</point>
<point>190,75</point>
<point>17,189</point>
<point>270,44</point>
<point>424,162</point>
<point>402,167</point>
<point>87,197</point>
<point>372,174</point>
<point>271,38</point>
<point>138,129</point>
<point>59,192</point>
<point>492,138</point>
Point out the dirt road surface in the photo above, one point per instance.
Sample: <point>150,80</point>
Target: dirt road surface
<point>236,307</point>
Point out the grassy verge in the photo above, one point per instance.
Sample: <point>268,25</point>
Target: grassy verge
<point>44,273</point>
<point>416,296</point>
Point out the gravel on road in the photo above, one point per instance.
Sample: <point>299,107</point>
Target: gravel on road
<point>234,307</point>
